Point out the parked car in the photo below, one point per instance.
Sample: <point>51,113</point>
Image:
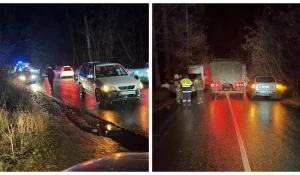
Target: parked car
<point>139,70</point>
<point>107,82</point>
<point>76,74</point>
<point>26,77</point>
<point>65,71</point>
<point>263,86</point>
<point>34,70</point>
<point>132,161</point>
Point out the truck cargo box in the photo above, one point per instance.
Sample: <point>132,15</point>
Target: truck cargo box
<point>227,76</point>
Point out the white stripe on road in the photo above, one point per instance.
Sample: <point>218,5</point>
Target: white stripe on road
<point>240,140</point>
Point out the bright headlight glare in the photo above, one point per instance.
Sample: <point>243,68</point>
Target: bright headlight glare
<point>107,88</point>
<point>108,126</point>
<point>34,87</point>
<point>141,86</point>
<point>22,78</point>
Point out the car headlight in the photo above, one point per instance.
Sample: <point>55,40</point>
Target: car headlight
<point>33,76</point>
<point>22,77</point>
<point>107,88</point>
<point>140,85</point>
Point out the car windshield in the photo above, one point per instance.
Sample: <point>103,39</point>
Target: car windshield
<point>265,79</point>
<point>109,71</point>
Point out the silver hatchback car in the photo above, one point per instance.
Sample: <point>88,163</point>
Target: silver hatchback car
<point>263,86</point>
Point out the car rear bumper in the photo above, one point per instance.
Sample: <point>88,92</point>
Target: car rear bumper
<point>67,74</point>
<point>265,93</point>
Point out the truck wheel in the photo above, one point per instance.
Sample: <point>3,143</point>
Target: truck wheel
<point>214,96</point>
<point>81,91</point>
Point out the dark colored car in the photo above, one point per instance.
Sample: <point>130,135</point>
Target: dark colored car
<point>117,162</point>
<point>27,77</point>
<point>76,74</point>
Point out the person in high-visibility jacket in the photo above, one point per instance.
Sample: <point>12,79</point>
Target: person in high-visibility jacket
<point>186,85</point>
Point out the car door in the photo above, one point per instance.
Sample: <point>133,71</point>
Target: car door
<point>90,81</point>
<point>82,78</point>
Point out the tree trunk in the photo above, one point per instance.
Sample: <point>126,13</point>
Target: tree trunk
<point>75,56</point>
<point>187,31</point>
<point>157,82</point>
<point>110,46</point>
<point>87,36</point>
<point>165,39</point>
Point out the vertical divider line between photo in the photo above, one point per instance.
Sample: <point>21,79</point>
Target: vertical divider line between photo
<point>150,86</point>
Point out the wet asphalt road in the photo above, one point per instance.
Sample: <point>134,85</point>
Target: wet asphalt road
<point>227,134</point>
<point>128,114</point>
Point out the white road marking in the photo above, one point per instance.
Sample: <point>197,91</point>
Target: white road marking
<point>240,140</point>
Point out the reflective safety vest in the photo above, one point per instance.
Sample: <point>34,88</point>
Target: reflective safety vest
<point>186,84</point>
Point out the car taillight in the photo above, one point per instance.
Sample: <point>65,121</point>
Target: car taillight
<point>239,84</point>
<point>253,86</point>
<point>71,68</point>
<point>214,84</point>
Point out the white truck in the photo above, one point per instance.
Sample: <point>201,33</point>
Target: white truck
<point>202,69</point>
<point>227,77</point>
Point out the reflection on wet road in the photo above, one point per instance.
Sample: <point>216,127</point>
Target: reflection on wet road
<point>204,137</point>
<point>132,115</point>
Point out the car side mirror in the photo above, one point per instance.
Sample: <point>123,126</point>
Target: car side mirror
<point>136,77</point>
<point>90,76</point>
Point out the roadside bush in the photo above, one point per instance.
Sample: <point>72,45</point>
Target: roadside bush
<point>23,130</point>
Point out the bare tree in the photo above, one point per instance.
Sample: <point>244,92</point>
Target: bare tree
<point>87,35</point>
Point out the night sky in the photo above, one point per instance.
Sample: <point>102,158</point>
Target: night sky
<point>226,25</point>
<point>47,25</point>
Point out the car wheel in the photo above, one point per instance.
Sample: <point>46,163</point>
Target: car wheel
<point>81,91</point>
<point>99,97</point>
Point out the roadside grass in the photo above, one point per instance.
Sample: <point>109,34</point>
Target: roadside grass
<point>23,131</point>
<point>162,97</point>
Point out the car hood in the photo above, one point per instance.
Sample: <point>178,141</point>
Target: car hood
<point>125,80</point>
<point>116,162</point>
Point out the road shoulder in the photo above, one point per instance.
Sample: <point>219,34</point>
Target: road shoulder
<point>162,98</point>
<point>291,102</point>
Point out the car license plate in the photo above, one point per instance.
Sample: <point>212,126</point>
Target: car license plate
<point>128,92</point>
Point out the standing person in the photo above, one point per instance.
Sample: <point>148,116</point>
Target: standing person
<point>177,86</point>
<point>50,74</point>
<point>199,86</point>
<point>186,85</point>
<point>41,75</point>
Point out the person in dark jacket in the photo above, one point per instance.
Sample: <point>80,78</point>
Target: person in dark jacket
<point>41,75</point>
<point>177,86</point>
<point>199,86</point>
<point>50,74</point>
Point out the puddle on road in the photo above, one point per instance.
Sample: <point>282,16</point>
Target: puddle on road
<point>92,124</point>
